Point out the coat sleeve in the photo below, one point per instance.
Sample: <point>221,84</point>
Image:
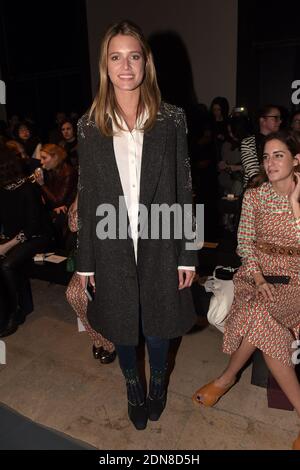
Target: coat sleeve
<point>187,257</point>
<point>86,215</point>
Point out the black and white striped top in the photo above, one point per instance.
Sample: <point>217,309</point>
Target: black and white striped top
<point>249,158</point>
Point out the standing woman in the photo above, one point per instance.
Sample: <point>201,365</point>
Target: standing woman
<point>266,309</point>
<point>132,145</point>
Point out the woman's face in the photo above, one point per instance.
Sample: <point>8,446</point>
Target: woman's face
<point>279,164</point>
<point>48,161</point>
<point>271,121</point>
<point>125,63</point>
<point>217,112</point>
<point>67,131</point>
<point>296,123</point>
<point>24,133</point>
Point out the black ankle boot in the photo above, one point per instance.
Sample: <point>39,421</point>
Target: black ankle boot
<point>157,397</point>
<point>15,320</point>
<point>137,410</point>
<point>155,407</point>
<point>9,329</point>
<point>138,415</point>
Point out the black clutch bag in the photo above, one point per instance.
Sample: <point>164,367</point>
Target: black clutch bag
<point>277,279</point>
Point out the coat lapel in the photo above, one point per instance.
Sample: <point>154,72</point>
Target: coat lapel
<point>152,157</point>
<point>106,163</point>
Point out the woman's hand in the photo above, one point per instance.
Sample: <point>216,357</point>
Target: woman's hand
<point>265,290</point>
<point>60,209</point>
<point>295,195</point>
<point>222,165</point>
<point>185,277</point>
<point>85,279</point>
<point>39,177</point>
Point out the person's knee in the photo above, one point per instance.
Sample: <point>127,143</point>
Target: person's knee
<point>155,342</point>
<point>70,295</point>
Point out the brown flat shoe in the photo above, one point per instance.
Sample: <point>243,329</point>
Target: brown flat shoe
<point>209,394</point>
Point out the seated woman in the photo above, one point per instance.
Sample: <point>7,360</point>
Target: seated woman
<point>103,349</point>
<point>29,165</point>
<point>25,232</point>
<point>58,185</point>
<point>265,315</point>
<point>230,166</point>
<point>24,134</point>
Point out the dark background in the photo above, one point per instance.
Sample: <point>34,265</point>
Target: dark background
<point>268,52</point>
<point>44,56</point>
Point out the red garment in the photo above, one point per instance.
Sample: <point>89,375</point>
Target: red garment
<point>60,186</point>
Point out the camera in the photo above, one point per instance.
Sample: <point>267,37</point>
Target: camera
<point>236,111</point>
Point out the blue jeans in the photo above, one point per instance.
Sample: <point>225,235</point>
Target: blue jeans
<point>157,349</point>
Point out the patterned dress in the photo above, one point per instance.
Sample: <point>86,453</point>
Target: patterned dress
<point>270,326</point>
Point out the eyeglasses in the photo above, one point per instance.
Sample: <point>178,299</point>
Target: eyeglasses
<point>277,118</point>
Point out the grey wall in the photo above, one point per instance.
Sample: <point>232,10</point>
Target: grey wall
<point>208,29</point>
<point>2,106</point>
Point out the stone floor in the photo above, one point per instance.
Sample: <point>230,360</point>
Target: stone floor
<point>51,377</point>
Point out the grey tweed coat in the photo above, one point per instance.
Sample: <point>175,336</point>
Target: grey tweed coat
<point>126,290</point>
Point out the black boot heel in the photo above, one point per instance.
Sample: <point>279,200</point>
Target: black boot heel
<point>138,415</point>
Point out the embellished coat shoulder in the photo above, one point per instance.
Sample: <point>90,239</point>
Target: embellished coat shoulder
<point>173,113</point>
<point>84,125</point>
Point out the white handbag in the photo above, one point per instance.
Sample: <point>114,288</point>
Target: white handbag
<point>221,300</point>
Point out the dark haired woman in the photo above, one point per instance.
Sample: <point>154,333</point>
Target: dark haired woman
<point>219,110</point>
<point>24,135</point>
<point>69,142</point>
<point>132,146</point>
<point>266,315</point>
<point>25,232</point>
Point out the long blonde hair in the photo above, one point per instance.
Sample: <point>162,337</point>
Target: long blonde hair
<point>105,100</point>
